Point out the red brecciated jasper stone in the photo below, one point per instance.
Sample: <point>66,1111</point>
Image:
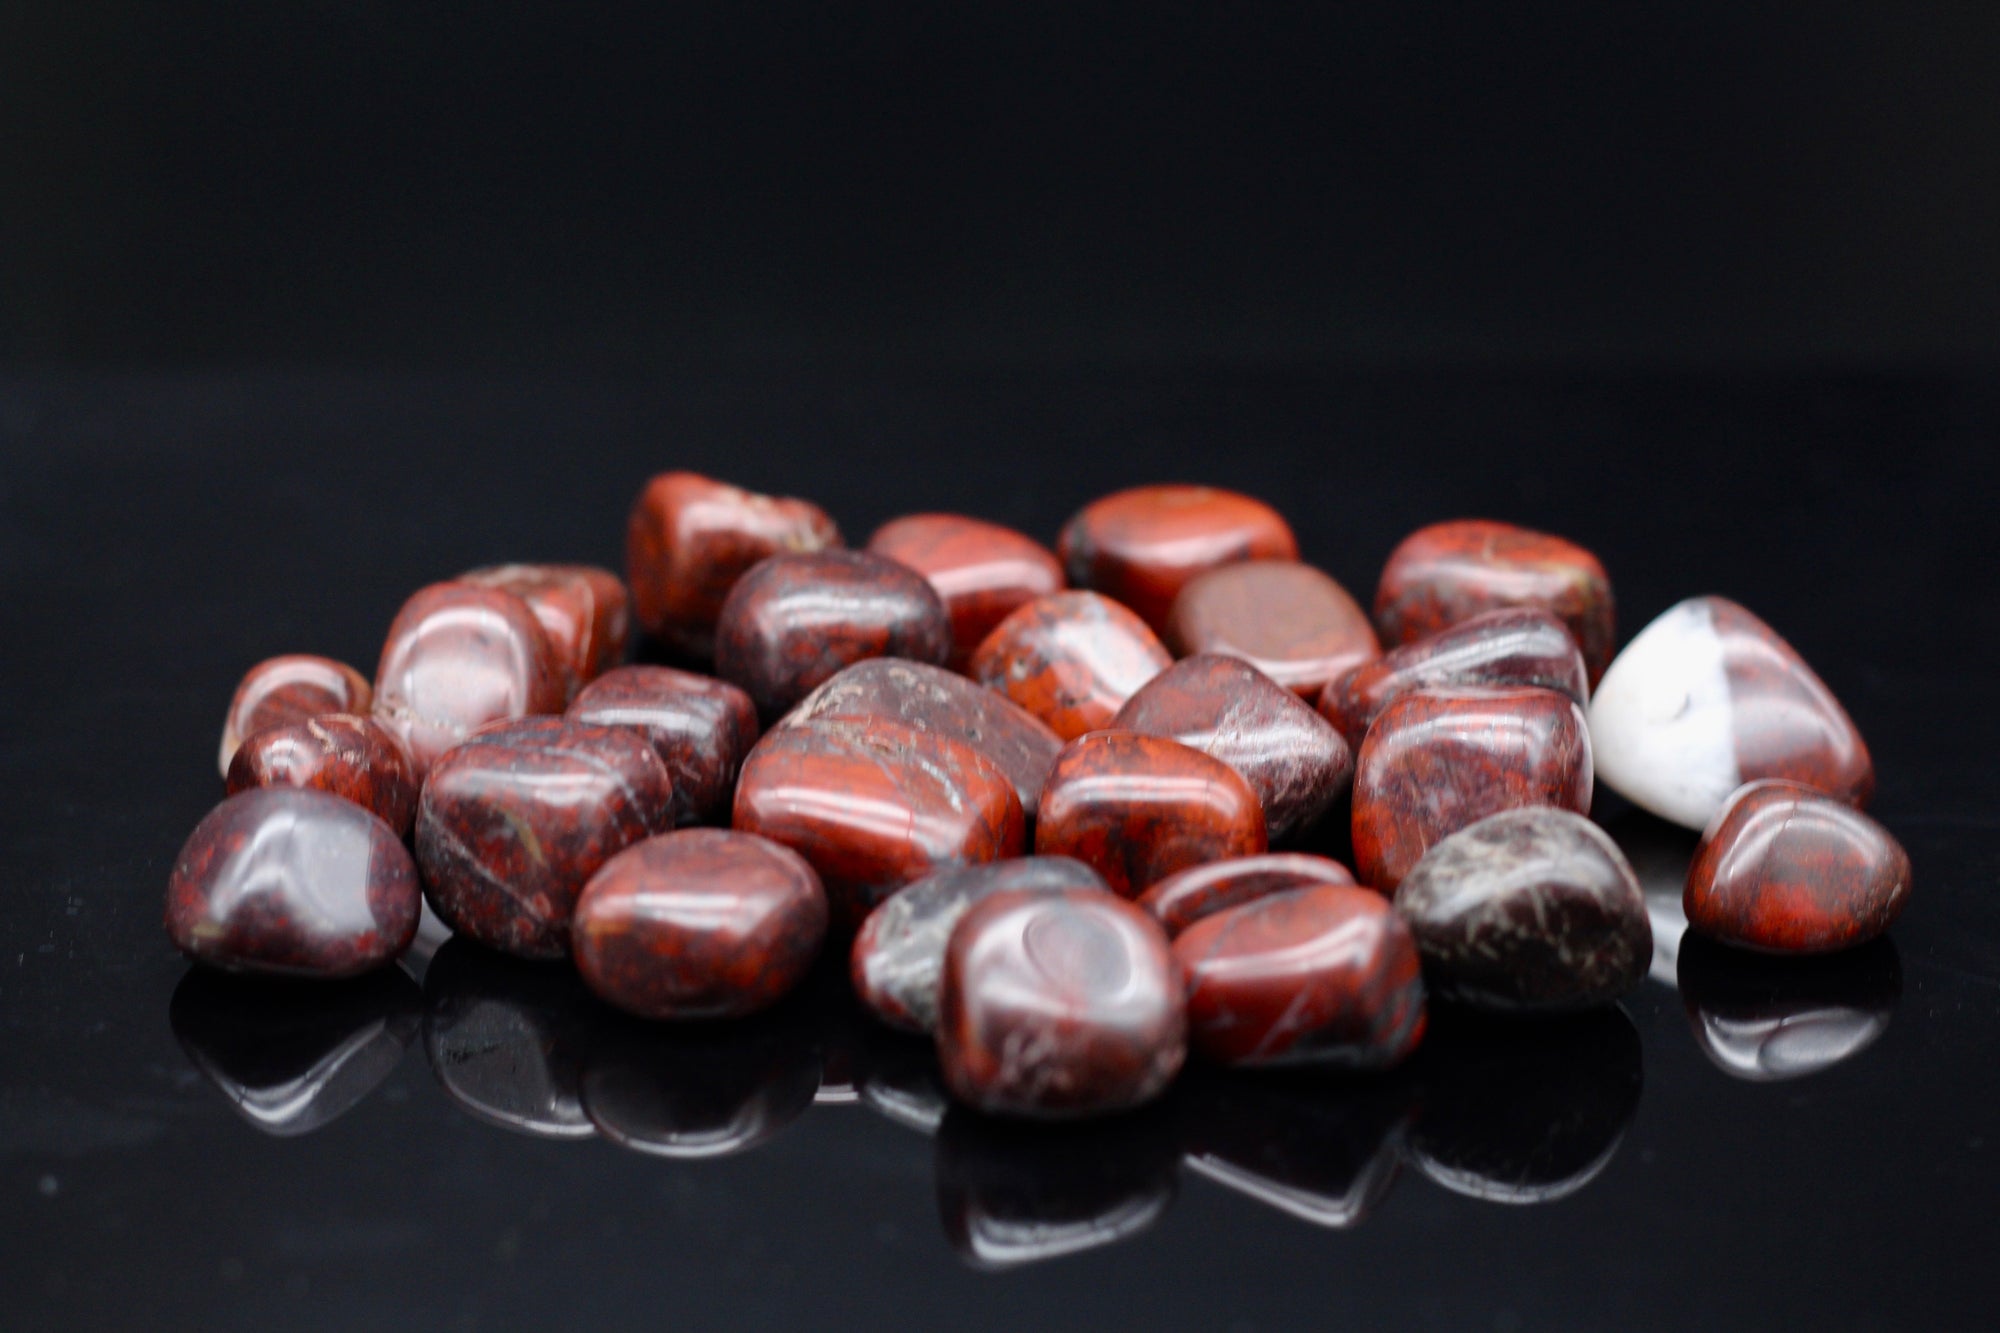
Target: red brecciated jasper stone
<point>1450,572</point>
<point>934,700</point>
<point>1186,897</point>
<point>291,882</point>
<point>1072,659</point>
<point>584,610</point>
<point>281,690</point>
<point>1290,621</point>
<point>1142,546</point>
<point>1516,645</point>
<point>875,804</point>
<point>1291,756</point>
<point>980,570</point>
<point>513,823</point>
<point>1438,760</point>
<point>795,620</point>
<point>354,758</point>
<point>689,539</point>
<point>699,726</point>
<point>1327,976</point>
<point>1138,808</point>
<point>1059,1004</point>
<point>703,923</point>
<point>1787,869</point>
<point>458,657</point>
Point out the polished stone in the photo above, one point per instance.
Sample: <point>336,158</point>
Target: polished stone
<point>355,758</point>
<point>699,726</point>
<point>584,610</point>
<point>1768,1019</point>
<point>1185,897</point>
<point>508,1040</point>
<point>1143,545</point>
<point>980,570</point>
<point>1072,659</point>
<point>697,1091</point>
<point>283,690</point>
<point>1290,621</point>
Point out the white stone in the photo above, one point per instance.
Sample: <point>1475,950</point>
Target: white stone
<point>1661,726</point>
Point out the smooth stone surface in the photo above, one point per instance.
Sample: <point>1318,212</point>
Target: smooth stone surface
<point>1521,645</point>
<point>1437,761</point>
<point>981,571</point>
<point>1071,659</point>
<point>700,727</point>
<point>513,823</point>
<point>934,700</point>
<point>290,882</point>
<point>458,657</point>
<point>355,758</point>
<point>1766,1019</point>
<point>1321,976</point>
<point>1058,1004</point>
<point>1783,868</point>
<point>1142,546</point>
<point>1707,698</point>
<point>584,610</point>
<point>691,1092</point>
<point>875,804</point>
<point>1528,910</point>
<point>282,690</point>
<point>1138,808</point>
<point>1185,897</point>
<point>1447,573</point>
<point>793,621</point>
<point>508,1040</point>
<point>898,954</point>
<point>688,540</point>
<point>1294,760</point>
<point>703,923</point>
<point>1291,621</point>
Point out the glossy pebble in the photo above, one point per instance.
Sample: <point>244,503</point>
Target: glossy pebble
<point>981,571</point>
<point>699,726</point>
<point>354,758</point>
<point>1071,659</point>
<point>1142,546</point>
<point>283,690</point>
<point>1185,897</point>
<point>584,610</point>
<point>1291,621</point>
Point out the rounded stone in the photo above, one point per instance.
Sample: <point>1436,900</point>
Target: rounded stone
<point>1291,621</point>
<point>1143,545</point>
<point>1185,897</point>
<point>699,726</point>
<point>354,758</point>
<point>584,610</point>
<point>981,571</point>
<point>282,690</point>
<point>1071,659</point>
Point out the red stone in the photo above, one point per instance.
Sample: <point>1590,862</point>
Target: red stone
<point>795,620</point>
<point>1326,976</point>
<point>1516,645</point>
<point>1138,808</point>
<point>1072,659</point>
<point>1450,572</point>
<point>1183,898</point>
<point>1291,756</point>
<point>1290,621</point>
<point>1142,546</point>
<point>689,539</point>
<point>458,657</point>
<point>875,804</point>
<point>354,758</point>
<point>703,923</point>
<point>1438,760</point>
<point>291,882</point>
<point>584,610</point>
<point>980,570</point>
<point>281,690</point>
<point>513,823</point>
<point>699,726</point>
<point>1787,869</point>
<point>1059,1004</point>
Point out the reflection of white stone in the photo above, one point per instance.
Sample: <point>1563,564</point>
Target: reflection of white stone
<point>1767,1050</point>
<point>1661,729</point>
<point>997,1242</point>
<point>1338,1211</point>
<point>1669,924</point>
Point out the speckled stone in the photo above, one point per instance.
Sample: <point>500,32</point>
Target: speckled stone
<point>354,758</point>
<point>1071,659</point>
<point>282,690</point>
<point>1143,545</point>
<point>584,610</point>
<point>980,570</point>
<point>1185,897</point>
<point>699,726</point>
<point>1292,622</point>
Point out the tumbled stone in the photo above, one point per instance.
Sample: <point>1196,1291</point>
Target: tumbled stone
<point>1765,1018</point>
<point>1143,545</point>
<point>513,823</point>
<point>1071,659</point>
<point>694,1091</point>
<point>1528,910</point>
<point>1707,698</point>
<point>1439,760</point>
<point>1291,756</point>
<point>1290,621</point>
<point>458,657</point>
<point>354,758</point>
<point>508,1040</point>
<point>1519,645</point>
<point>282,690</point>
<point>1138,808</point>
<point>1059,1003</point>
<point>1786,869</point>
<point>875,804</point>
<point>690,538</point>
<point>291,882</point>
<point>1185,897</point>
<point>1449,572</point>
<point>980,570</point>
<point>699,726</point>
<point>899,952</point>
<point>584,610</point>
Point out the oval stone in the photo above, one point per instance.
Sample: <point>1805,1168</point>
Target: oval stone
<point>981,571</point>
<point>282,690</point>
<point>1291,621</point>
<point>584,610</point>
<point>354,758</point>
<point>1185,897</point>
<point>1071,659</point>
<point>700,727</point>
<point>1143,545</point>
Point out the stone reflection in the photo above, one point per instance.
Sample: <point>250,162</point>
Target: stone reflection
<point>508,1039</point>
<point>1659,853</point>
<point>1765,1019</point>
<point>695,1090</point>
<point>292,1057</point>
<point>901,1081</point>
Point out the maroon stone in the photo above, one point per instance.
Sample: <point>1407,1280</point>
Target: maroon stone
<point>354,758</point>
<point>1143,545</point>
<point>1182,899</point>
<point>1071,659</point>
<point>1290,621</point>
<point>584,610</point>
<point>291,882</point>
<point>513,823</point>
<point>980,570</point>
<point>282,690</point>
<point>699,726</point>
